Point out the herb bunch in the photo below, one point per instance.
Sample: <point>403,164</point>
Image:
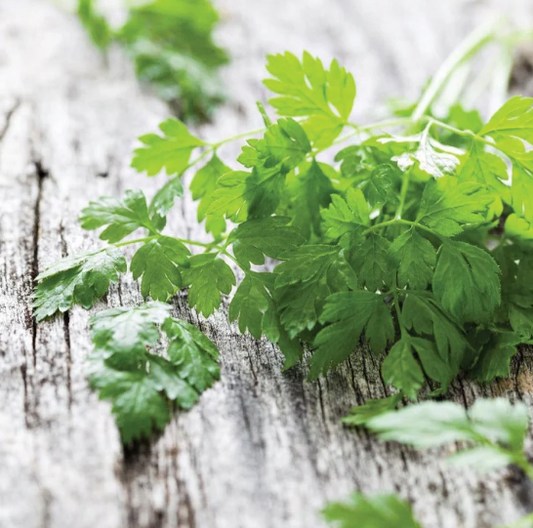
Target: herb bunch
<point>171,44</point>
<point>418,238</point>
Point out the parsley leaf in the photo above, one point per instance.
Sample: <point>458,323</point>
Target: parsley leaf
<point>271,237</point>
<point>513,119</point>
<point>140,384</point>
<point>194,355</point>
<point>447,205</point>
<point>203,186</point>
<point>414,257</point>
<point>381,511</point>
<point>401,369</point>
<point>250,304</point>
<point>171,152</point>
<point>313,191</point>
<point>307,89</point>
<point>350,313</point>
<point>157,263</point>
<point>346,217</point>
<point>370,262</point>
<point>303,283</point>
<point>466,282</point>
<point>122,217</point>
<point>80,279</point>
<point>163,201</point>
<point>496,425</point>
<point>208,277</point>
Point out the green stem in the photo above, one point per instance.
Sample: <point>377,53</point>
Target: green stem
<point>403,331</point>
<point>214,146</point>
<point>136,241</point>
<point>401,221</point>
<point>460,132</point>
<point>220,249</point>
<point>403,194</point>
<point>388,123</point>
<point>469,47</point>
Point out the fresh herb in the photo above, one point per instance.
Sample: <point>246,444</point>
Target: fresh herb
<point>490,435</point>
<point>398,242</point>
<point>172,47</point>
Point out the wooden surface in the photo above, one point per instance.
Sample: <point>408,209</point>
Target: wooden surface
<point>262,449</point>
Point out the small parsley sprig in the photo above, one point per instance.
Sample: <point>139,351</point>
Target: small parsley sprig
<point>172,47</point>
<point>417,238</point>
<point>489,436</point>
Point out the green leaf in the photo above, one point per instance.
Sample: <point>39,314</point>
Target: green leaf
<point>426,424</point>
<point>448,205</point>
<point>494,359</point>
<point>495,422</point>
<point>230,199</point>
<point>401,369</point>
<point>466,282</point>
<point>361,414</point>
<point>414,257</point>
<point>513,119</point>
<point>171,45</point>
<point>171,151</point>
<point>303,282</point>
<point>423,316</point>
<point>487,169</point>
<point>284,146</point>
<point>80,279</point>
<point>203,186</point>
<point>249,305</point>
<point>157,262</point>
<point>127,333</point>
<point>96,25</point>
<point>370,262</point>
<point>350,314</point>
<point>139,383</point>
<point>347,216</point>
<point>381,511</point>
<point>192,353</point>
<point>308,90</point>
<point>271,237</point>
<point>164,199</point>
<point>313,193</point>
<point>380,187</point>
<point>208,277</point>
<point>122,217</point>
<point>138,405</point>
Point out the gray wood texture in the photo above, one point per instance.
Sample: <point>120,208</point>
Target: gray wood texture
<point>263,448</point>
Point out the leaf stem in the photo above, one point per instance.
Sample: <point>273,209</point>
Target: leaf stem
<point>136,241</point>
<point>403,193</point>
<point>460,132</point>
<point>214,146</point>
<point>400,221</point>
<point>207,245</point>
<point>469,47</point>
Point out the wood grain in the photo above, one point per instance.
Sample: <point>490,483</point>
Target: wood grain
<point>263,448</point>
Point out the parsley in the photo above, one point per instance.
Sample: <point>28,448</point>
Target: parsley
<point>495,430</point>
<point>381,511</point>
<point>140,383</point>
<point>397,242</point>
<point>171,45</point>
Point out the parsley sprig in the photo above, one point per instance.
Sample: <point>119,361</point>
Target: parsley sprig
<point>488,436</point>
<point>171,45</point>
<point>417,238</point>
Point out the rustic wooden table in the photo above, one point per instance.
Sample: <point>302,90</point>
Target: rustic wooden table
<point>263,448</point>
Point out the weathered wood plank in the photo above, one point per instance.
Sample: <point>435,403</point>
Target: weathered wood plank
<point>263,448</point>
